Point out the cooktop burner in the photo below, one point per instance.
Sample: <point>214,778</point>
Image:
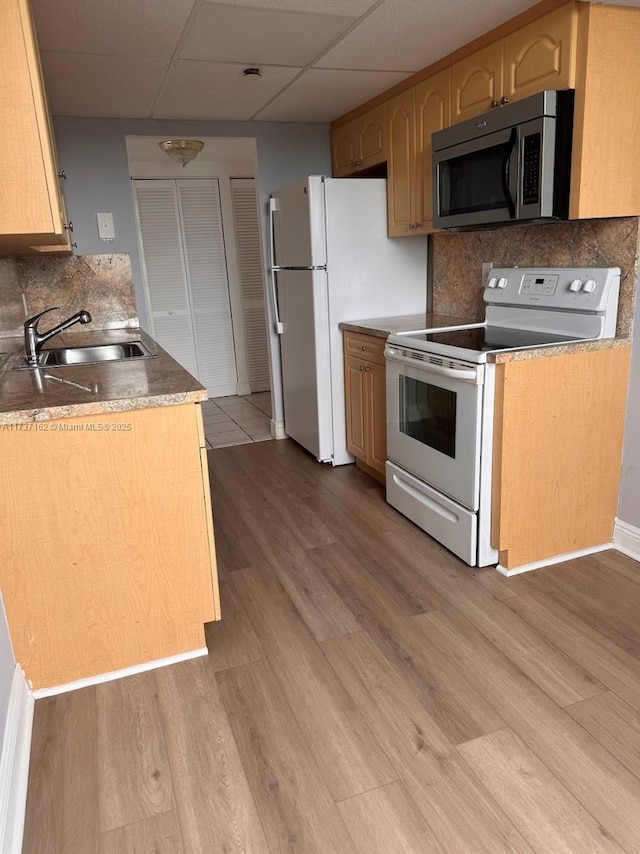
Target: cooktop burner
<point>484,338</point>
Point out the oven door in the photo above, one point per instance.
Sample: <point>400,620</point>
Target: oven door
<point>434,421</point>
<point>476,182</point>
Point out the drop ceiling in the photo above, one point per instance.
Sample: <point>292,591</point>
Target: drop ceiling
<point>184,59</point>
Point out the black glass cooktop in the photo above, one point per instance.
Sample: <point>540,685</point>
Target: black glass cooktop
<point>490,338</point>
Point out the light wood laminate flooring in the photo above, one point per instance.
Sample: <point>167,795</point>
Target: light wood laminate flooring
<point>365,693</point>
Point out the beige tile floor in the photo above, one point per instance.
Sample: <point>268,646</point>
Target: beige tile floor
<point>237,420</point>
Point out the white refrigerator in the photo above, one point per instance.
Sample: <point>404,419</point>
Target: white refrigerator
<point>332,261</point>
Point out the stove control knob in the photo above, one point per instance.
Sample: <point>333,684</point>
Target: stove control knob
<point>503,282</point>
<point>589,286</point>
<point>576,285</point>
<point>492,282</point>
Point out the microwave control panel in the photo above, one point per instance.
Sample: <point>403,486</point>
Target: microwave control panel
<point>531,170</point>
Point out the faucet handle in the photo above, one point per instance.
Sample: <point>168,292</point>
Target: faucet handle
<point>33,321</point>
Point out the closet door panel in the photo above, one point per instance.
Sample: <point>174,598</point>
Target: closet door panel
<point>206,265</point>
<point>164,264</point>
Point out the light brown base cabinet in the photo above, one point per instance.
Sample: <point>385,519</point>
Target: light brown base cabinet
<point>366,402</point>
<point>107,553</point>
<point>559,430</point>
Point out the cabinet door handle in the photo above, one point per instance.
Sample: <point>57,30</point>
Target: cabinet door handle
<point>69,226</point>
<point>504,100</point>
<point>494,104</point>
<point>366,369</point>
<point>62,174</point>
<point>363,347</point>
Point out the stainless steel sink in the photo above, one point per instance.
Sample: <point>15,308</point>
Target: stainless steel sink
<point>87,355</point>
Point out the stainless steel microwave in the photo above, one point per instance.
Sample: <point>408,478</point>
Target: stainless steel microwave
<point>510,165</point>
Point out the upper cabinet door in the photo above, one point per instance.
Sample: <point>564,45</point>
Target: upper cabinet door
<point>400,121</point>
<point>371,148</point>
<point>433,113</point>
<point>33,210</point>
<point>343,144</point>
<point>476,83</point>
<point>541,55</point>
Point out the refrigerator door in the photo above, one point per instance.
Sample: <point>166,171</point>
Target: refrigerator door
<point>305,351</point>
<point>298,221</point>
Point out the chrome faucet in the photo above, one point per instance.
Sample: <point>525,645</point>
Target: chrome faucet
<point>33,340</point>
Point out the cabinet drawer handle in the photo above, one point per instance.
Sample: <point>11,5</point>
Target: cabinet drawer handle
<point>363,347</point>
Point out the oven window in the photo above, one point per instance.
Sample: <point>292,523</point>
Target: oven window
<point>473,182</point>
<point>428,415</point>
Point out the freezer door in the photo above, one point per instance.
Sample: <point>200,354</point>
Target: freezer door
<point>298,221</point>
<point>305,356</point>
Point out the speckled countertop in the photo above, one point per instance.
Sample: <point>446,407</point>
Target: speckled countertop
<point>382,327</point>
<point>65,392</point>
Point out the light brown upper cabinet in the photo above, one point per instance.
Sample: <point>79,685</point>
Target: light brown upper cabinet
<point>359,144</point>
<point>411,119</point>
<point>32,212</point>
<point>476,83</point>
<point>605,173</point>
<point>433,113</point>
<point>540,55</point>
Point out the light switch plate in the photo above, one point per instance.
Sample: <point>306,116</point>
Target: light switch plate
<point>106,229</point>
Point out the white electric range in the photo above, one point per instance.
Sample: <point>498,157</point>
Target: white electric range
<point>440,395</point>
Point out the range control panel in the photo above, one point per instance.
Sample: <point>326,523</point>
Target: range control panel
<point>571,288</point>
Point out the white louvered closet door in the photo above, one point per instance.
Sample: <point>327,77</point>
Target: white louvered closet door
<point>250,263</point>
<point>200,236</point>
<point>170,307</point>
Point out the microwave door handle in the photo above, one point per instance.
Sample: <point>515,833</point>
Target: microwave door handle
<point>506,174</point>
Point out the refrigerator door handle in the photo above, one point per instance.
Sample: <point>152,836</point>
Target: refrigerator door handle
<point>273,268</point>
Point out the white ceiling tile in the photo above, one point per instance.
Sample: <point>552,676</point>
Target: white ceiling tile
<point>327,7</point>
<point>407,35</point>
<point>321,95</point>
<point>116,27</point>
<point>102,86</point>
<point>254,36</point>
<point>218,91</point>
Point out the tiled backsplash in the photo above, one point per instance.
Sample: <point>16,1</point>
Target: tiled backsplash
<point>102,284</point>
<point>458,259</point>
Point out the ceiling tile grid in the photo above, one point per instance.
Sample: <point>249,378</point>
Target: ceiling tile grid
<point>322,94</point>
<point>223,33</point>
<point>183,59</point>
<point>218,91</point>
<point>102,86</point>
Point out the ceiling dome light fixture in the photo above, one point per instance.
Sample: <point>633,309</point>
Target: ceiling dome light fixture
<point>252,73</point>
<point>183,151</point>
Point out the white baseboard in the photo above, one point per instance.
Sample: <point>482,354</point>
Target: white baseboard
<point>626,539</point>
<point>117,674</point>
<point>277,429</point>
<point>243,388</point>
<point>14,764</point>
<point>540,564</point>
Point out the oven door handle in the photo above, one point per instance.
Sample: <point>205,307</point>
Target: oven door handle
<point>467,374</point>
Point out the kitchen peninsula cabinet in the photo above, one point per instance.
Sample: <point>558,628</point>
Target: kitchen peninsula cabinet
<point>360,144</point>
<point>366,404</point>
<point>32,213</point>
<point>108,557</point>
<point>558,437</point>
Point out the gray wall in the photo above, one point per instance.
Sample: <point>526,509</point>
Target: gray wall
<point>7,667</point>
<point>629,506</point>
<point>94,156</point>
